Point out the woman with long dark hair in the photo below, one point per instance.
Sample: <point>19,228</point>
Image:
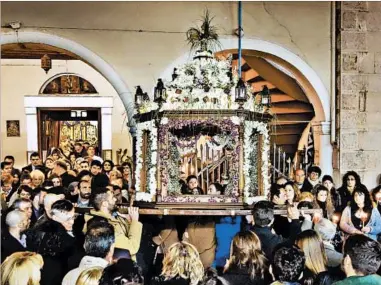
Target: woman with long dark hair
<point>350,180</point>
<point>361,217</point>
<point>323,201</point>
<point>107,167</point>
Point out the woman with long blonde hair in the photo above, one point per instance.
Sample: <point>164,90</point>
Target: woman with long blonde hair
<point>181,265</point>
<point>316,260</point>
<point>247,263</point>
<point>90,276</point>
<point>22,268</point>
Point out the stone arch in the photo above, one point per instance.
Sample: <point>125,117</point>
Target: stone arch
<point>85,55</point>
<point>306,77</point>
<point>58,75</point>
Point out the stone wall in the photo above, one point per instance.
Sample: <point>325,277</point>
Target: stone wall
<point>359,96</point>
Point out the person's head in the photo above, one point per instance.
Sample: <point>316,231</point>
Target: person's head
<point>328,182</point>
<point>6,182</point>
<point>78,147</point>
<point>6,167</point>
<point>325,229</point>
<point>25,192</point>
<point>90,276</point>
<point>84,189</point>
<point>18,220</point>
<point>361,199</point>
<point>72,157</point>
<point>277,194</point>
<point>24,205</point>
<point>38,178</point>
<point>25,179</point>
<point>16,176</point>
<point>10,158</point>
<point>182,259</point>
<point>104,200</point>
<point>84,165</point>
<point>91,150</point>
<point>60,167</point>
<point>63,212</point>
<point>124,271</point>
<point>288,264</point>
<point>84,175</point>
<point>362,256</point>
<point>35,159</point>
<point>100,240</point>
<point>126,169</point>
<point>306,196</point>
<point>245,250</point>
<point>263,213</point>
<point>107,166</point>
<point>56,154</point>
<point>376,194</point>
<point>56,180</point>
<point>49,200</point>
<point>215,189</point>
<point>292,192</point>
<point>115,174</point>
<point>300,176</point>
<point>351,179</point>
<point>312,246</point>
<point>281,180</point>
<point>192,182</point>
<point>322,193</point>
<point>49,162</point>
<point>96,167</point>
<point>314,172</point>
<point>22,268</point>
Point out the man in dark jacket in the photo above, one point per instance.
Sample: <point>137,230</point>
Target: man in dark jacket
<point>55,241</point>
<point>263,215</point>
<point>99,179</point>
<point>60,169</point>
<point>35,163</point>
<point>12,238</point>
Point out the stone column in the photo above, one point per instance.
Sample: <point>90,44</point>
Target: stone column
<point>323,146</point>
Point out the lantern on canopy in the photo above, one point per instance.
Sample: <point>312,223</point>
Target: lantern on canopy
<point>240,92</point>
<point>159,92</point>
<point>265,97</point>
<point>139,96</point>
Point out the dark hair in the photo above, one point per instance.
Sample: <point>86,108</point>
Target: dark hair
<point>62,206</point>
<point>314,168</point>
<point>263,213</point>
<point>98,239</point>
<point>364,252</point>
<point>25,176</point>
<point>124,271</point>
<point>368,207</point>
<point>52,176</point>
<point>375,191</point>
<point>327,177</point>
<point>10,157</point>
<point>82,174</point>
<point>288,263</point>
<point>305,204</point>
<point>351,173</point>
<point>77,143</point>
<point>25,188</point>
<point>326,278</point>
<point>109,161</point>
<point>99,195</point>
<point>126,164</point>
<point>275,190</point>
<point>5,163</point>
<point>211,277</point>
<point>190,177</point>
<point>84,161</point>
<point>34,154</point>
<point>82,181</point>
<point>96,163</point>
<point>47,183</point>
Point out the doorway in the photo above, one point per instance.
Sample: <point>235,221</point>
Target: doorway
<point>61,127</point>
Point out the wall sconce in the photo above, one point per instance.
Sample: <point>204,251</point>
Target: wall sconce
<point>46,63</point>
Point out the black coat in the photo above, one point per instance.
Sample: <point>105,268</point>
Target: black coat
<point>67,179</point>
<point>241,276</point>
<point>174,281</point>
<point>9,245</point>
<point>51,240</point>
<point>269,241</point>
<point>307,186</point>
<point>29,168</point>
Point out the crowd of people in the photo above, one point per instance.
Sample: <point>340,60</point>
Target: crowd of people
<point>61,224</point>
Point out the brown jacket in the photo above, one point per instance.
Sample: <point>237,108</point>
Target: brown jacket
<point>127,235</point>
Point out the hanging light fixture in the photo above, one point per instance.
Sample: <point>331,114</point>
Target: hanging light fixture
<point>139,96</point>
<point>46,63</point>
<point>265,97</point>
<point>240,89</point>
<point>159,92</point>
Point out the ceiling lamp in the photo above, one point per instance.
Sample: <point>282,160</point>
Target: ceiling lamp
<point>46,63</point>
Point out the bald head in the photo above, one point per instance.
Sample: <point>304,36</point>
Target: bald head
<point>49,200</point>
<point>15,218</point>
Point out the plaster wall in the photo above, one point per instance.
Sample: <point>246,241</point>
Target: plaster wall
<point>25,77</point>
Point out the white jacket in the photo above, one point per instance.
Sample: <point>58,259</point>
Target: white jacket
<point>86,262</point>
